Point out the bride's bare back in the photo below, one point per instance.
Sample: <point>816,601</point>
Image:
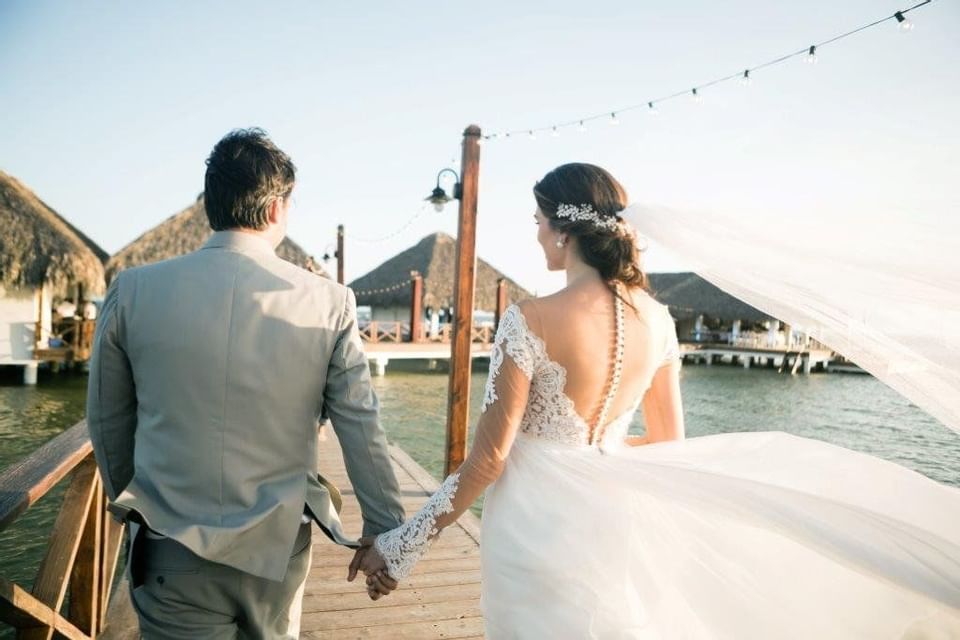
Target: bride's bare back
<point>577,326</point>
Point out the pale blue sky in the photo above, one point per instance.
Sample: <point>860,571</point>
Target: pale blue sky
<point>107,110</point>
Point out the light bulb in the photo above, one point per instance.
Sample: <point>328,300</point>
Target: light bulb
<point>652,110</point>
<point>531,135</point>
<point>812,55</point>
<point>903,24</point>
<point>555,133</point>
<point>582,128</point>
<point>696,97</point>
<point>613,120</point>
<point>438,206</point>
<point>745,79</point>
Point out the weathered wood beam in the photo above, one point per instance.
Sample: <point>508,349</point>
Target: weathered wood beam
<point>22,611</point>
<point>56,568</point>
<point>25,482</point>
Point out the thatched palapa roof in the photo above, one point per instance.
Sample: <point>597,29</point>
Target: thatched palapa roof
<point>434,258</point>
<point>688,295</point>
<point>184,233</point>
<point>37,245</point>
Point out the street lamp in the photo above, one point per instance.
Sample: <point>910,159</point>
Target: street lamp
<point>438,198</point>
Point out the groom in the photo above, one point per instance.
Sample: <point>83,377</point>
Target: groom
<point>208,376</point>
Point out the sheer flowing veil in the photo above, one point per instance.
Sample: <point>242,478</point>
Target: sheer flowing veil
<point>884,291</point>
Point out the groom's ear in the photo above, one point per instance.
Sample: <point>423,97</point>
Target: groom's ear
<point>275,212</point>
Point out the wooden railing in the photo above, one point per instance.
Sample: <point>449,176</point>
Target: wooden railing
<point>82,552</point>
<point>70,341</point>
<point>483,335</point>
<point>378,331</point>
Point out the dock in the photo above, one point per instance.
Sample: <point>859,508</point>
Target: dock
<point>441,599</point>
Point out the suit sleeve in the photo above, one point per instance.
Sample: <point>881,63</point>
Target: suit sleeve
<point>111,398</point>
<point>354,410</point>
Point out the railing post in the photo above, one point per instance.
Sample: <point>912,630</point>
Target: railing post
<point>501,302</point>
<point>416,306</point>
<point>85,578</point>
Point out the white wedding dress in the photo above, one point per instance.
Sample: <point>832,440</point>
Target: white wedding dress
<point>737,536</point>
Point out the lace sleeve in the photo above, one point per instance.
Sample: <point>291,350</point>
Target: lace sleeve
<point>512,365</point>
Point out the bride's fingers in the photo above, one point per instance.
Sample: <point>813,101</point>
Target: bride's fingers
<point>387,581</point>
<point>376,582</point>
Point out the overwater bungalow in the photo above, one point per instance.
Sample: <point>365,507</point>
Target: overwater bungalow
<point>716,326</point>
<point>706,313</point>
<point>43,259</point>
<point>184,233</point>
<point>388,289</point>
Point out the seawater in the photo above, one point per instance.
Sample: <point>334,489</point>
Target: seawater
<point>854,411</point>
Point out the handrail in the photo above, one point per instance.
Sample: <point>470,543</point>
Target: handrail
<point>82,550</point>
<point>25,482</point>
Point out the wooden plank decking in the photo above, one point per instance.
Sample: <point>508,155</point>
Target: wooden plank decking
<point>440,600</point>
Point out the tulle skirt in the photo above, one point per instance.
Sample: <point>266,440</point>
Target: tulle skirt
<point>734,536</point>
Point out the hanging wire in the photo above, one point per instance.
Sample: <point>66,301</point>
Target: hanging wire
<point>393,234</point>
<point>649,104</point>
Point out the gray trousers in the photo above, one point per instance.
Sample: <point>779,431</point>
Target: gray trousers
<point>177,594</point>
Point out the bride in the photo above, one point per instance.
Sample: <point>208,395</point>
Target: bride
<point>588,532</point>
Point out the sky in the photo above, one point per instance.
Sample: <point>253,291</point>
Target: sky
<point>108,110</point>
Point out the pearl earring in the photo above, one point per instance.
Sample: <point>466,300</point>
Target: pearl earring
<point>559,244</point>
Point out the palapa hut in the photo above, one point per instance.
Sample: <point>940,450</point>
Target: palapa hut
<point>184,233</point>
<point>41,256</point>
<point>386,292</point>
<point>704,312</point>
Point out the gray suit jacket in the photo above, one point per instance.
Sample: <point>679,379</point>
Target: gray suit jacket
<point>208,376</point>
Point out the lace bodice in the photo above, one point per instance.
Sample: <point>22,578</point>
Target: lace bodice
<point>550,414</point>
<point>524,396</point>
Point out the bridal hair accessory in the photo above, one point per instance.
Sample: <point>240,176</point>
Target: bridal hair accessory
<point>586,213</point>
<point>559,244</point>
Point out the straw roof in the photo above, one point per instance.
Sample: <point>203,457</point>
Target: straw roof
<point>38,245</point>
<point>688,295</point>
<point>184,233</point>
<point>434,258</point>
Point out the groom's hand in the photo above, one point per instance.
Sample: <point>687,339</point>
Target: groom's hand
<point>369,561</point>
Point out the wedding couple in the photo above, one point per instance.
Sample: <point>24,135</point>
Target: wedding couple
<point>210,371</point>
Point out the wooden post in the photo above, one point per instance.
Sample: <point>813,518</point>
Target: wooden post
<point>458,396</point>
<point>340,253</point>
<point>416,306</point>
<point>501,302</point>
<point>38,331</point>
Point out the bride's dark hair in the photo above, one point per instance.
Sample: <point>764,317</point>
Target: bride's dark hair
<point>614,253</point>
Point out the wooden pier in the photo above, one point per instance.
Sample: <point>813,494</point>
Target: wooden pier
<point>440,600</point>
<point>792,360</point>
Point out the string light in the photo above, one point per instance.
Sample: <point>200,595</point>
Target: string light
<point>531,135</point>
<point>809,53</point>
<point>652,110</point>
<point>394,287</point>
<point>613,120</point>
<point>555,133</point>
<point>904,25</point>
<point>393,234</point>
<point>696,97</point>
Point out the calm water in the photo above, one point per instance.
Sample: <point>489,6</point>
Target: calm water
<point>854,411</point>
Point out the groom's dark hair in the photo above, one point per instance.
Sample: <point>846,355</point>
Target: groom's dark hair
<point>245,172</point>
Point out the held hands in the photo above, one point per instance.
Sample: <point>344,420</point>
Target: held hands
<point>368,560</point>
